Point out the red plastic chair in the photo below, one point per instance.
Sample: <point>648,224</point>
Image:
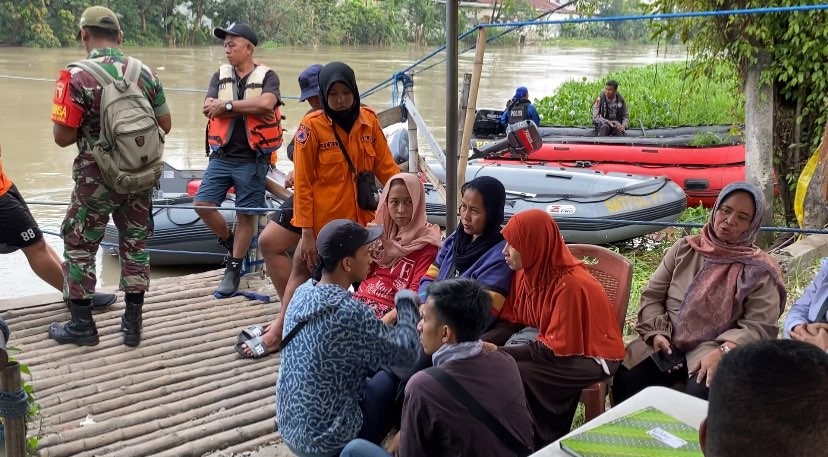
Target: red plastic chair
<point>614,272</point>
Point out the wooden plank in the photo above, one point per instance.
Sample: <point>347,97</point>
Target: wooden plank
<point>391,116</point>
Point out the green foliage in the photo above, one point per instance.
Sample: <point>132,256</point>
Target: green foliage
<point>617,31</point>
<point>657,95</point>
<point>794,47</point>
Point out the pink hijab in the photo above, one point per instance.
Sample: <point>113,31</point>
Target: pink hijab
<point>398,242</point>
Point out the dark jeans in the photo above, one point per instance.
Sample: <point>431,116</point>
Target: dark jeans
<point>629,381</point>
<point>378,407</point>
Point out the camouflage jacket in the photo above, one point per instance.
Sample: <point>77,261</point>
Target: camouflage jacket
<point>77,97</point>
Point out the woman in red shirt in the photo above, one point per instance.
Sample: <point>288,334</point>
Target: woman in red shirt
<point>407,248</point>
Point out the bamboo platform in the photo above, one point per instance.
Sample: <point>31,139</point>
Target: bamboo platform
<point>183,392</point>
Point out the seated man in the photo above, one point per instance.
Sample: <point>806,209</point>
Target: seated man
<point>808,318</point>
<point>434,421</point>
<point>18,230</point>
<point>610,115</point>
<point>333,343</point>
<point>769,399</point>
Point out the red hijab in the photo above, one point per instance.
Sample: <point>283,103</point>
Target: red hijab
<point>556,293</point>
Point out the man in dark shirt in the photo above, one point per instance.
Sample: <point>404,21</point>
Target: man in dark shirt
<point>610,115</point>
<point>243,128</point>
<point>435,422</point>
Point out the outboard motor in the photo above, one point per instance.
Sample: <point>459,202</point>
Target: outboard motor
<point>521,139</point>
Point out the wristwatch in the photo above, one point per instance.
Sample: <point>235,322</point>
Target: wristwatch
<point>228,106</point>
<point>724,348</point>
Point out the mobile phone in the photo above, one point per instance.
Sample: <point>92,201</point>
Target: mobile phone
<point>666,361</point>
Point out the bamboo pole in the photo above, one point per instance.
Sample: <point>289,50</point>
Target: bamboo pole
<point>255,443</point>
<point>199,447</point>
<point>413,142</point>
<point>14,427</point>
<point>471,110</point>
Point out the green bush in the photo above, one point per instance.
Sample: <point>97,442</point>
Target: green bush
<point>657,95</point>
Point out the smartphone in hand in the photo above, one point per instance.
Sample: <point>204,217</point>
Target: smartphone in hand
<point>667,362</point>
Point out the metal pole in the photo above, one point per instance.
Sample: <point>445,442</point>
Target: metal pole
<point>451,114</point>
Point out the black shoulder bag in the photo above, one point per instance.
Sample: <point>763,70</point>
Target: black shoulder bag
<point>368,192</point>
<point>505,436</point>
<point>291,334</point>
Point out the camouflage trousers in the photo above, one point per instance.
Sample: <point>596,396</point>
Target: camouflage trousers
<point>84,225</point>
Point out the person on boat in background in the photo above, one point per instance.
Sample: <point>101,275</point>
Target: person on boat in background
<point>519,108</point>
<point>19,230</point>
<point>325,188</point>
<point>778,388</point>
<point>244,131</point>
<point>407,247</point>
<point>331,389</point>
<point>712,292</point>
<point>475,249</point>
<point>610,114</point>
<point>77,120</point>
<point>279,237</point>
<point>557,323</point>
<point>434,421</point>
<point>808,318</point>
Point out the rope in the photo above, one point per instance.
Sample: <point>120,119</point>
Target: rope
<point>14,404</point>
<point>515,25</point>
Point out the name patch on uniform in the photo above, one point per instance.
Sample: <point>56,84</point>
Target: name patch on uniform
<point>368,139</point>
<point>302,134</point>
<point>329,145</point>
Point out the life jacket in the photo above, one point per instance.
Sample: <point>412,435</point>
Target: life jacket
<point>262,137</point>
<point>604,107</point>
<point>517,111</point>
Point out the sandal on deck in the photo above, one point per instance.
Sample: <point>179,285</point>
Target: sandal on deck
<point>256,346</point>
<point>250,332</point>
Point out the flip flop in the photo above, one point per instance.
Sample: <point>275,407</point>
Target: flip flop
<point>257,347</point>
<point>250,332</point>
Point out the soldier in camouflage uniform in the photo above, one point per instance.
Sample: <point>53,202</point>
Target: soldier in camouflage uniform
<point>76,118</point>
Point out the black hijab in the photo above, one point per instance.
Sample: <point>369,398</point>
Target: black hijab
<point>338,72</point>
<point>466,251</point>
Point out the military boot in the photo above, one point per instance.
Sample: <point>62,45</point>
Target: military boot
<point>80,329</point>
<point>131,321</point>
<point>232,277</point>
<point>100,301</point>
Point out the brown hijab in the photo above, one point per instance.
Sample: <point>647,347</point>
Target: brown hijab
<point>729,274</point>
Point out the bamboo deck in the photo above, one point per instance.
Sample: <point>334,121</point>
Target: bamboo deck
<point>183,392</point>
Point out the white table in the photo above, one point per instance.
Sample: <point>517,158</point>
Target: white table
<point>683,407</point>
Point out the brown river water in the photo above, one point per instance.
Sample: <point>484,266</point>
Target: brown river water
<point>42,170</point>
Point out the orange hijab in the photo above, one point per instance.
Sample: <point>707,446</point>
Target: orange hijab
<point>556,293</point>
<point>398,242</point>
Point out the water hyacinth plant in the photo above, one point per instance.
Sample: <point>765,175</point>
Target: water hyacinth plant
<point>658,95</point>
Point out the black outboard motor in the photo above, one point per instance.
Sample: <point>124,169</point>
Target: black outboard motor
<point>521,139</point>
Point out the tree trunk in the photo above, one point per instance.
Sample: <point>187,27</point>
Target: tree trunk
<point>816,198</point>
<point>759,109</point>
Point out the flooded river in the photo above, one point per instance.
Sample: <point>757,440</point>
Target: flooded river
<point>42,170</point>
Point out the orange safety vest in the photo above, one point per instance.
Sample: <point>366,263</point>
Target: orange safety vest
<point>262,137</point>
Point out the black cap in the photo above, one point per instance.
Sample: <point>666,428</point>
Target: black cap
<point>341,238</point>
<point>237,29</point>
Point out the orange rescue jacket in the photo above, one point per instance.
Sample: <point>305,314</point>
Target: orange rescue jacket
<point>262,137</point>
<point>324,187</point>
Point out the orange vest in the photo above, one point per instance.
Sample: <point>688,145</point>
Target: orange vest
<point>262,137</point>
<point>5,182</point>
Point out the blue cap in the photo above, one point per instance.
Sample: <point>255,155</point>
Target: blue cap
<point>309,82</point>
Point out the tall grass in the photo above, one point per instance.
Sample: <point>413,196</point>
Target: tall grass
<point>658,95</point>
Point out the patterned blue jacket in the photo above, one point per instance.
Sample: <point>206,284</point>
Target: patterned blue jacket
<point>325,367</point>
